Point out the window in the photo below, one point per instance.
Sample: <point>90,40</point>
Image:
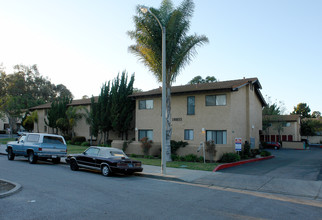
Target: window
<point>92,152</point>
<point>146,133</point>
<point>33,138</point>
<point>190,105</point>
<point>146,104</point>
<point>215,100</point>
<point>188,134</point>
<point>220,137</point>
<point>53,140</point>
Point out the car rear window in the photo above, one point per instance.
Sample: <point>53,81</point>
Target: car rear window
<point>53,140</point>
<point>117,154</point>
<point>33,138</point>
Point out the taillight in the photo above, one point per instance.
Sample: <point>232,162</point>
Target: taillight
<point>40,149</point>
<point>122,164</point>
<point>137,164</point>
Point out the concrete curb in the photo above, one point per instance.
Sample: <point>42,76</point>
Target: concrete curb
<point>17,188</point>
<point>159,176</point>
<point>227,165</point>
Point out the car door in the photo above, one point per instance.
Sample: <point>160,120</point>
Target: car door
<point>88,158</point>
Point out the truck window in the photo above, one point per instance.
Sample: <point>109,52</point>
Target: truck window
<point>53,140</point>
<point>33,138</point>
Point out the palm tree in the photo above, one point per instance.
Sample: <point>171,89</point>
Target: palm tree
<point>180,47</point>
<point>73,115</point>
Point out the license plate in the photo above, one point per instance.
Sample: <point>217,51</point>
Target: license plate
<point>130,165</point>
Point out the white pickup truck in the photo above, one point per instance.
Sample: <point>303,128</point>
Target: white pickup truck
<point>38,146</point>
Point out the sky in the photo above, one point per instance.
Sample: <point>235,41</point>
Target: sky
<point>84,43</point>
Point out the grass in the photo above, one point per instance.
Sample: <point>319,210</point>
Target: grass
<point>5,140</point>
<point>180,164</point>
<point>75,149</point>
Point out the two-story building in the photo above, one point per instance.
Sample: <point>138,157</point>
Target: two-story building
<point>219,111</point>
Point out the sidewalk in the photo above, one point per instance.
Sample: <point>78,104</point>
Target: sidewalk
<point>264,184</point>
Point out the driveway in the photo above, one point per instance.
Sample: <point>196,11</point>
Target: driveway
<point>287,164</point>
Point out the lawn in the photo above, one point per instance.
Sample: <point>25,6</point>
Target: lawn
<point>5,140</point>
<point>75,149</point>
<point>180,164</point>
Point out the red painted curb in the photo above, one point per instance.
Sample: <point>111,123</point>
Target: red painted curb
<point>227,165</point>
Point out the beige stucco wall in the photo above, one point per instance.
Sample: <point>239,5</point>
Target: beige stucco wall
<point>241,117</point>
<point>293,145</point>
<point>81,128</point>
<point>293,129</point>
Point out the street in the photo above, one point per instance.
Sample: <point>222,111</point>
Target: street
<point>55,192</point>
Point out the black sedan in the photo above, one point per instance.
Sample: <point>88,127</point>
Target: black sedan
<point>106,159</point>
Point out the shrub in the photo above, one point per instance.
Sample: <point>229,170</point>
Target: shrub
<point>265,153</point>
<point>126,145</point>
<point>133,155</point>
<point>175,145</point>
<point>146,145</point>
<point>175,157</point>
<point>245,153</point>
<point>148,157</point>
<point>191,158</point>
<point>85,144</point>
<point>200,159</point>
<point>78,139</point>
<point>229,157</point>
<point>255,152</point>
<point>67,137</point>
<point>211,149</point>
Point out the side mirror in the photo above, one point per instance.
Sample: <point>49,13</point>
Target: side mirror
<point>16,139</point>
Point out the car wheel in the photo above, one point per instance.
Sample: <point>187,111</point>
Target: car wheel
<point>275,148</point>
<point>32,158</point>
<point>73,165</point>
<point>105,170</point>
<point>56,160</point>
<point>11,155</point>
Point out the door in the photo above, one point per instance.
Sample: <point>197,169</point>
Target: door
<point>88,158</point>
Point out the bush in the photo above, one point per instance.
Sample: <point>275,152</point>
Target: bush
<point>246,152</point>
<point>255,152</point>
<point>175,145</point>
<point>230,157</point>
<point>265,153</point>
<point>146,144</point>
<point>85,144</point>
<point>148,157</point>
<point>133,155</point>
<point>175,157</point>
<point>78,140</point>
<point>191,158</point>
<point>211,149</point>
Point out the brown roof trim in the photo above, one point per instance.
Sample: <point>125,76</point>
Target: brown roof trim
<point>231,85</point>
<point>76,102</point>
<point>281,118</point>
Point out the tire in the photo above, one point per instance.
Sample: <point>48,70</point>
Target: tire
<point>73,165</point>
<point>32,158</point>
<point>105,170</point>
<point>11,155</point>
<point>56,160</point>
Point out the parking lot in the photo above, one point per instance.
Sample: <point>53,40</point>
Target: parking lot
<point>288,164</point>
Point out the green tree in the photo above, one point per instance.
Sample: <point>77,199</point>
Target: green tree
<point>309,127</point>
<point>199,79</point>
<point>316,114</point>
<point>302,109</point>
<point>180,47</point>
<point>122,106</point>
<point>73,115</point>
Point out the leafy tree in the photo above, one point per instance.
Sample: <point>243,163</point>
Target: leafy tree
<point>104,111</point>
<point>73,115</point>
<point>199,79</point>
<point>302,109</point>
<point>27,122</point>
<point>180,47</point>
<point>25,88</point>
<point>121,105</point>
<point>310,127</point>
<point>316,114</point>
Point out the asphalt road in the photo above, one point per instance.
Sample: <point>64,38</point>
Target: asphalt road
<point>288,164</point>
<point>55,192</point>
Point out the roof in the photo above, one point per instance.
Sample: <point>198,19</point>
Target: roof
<point>76,102</point>
<point>281,118</point>
<point>231,85</point>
